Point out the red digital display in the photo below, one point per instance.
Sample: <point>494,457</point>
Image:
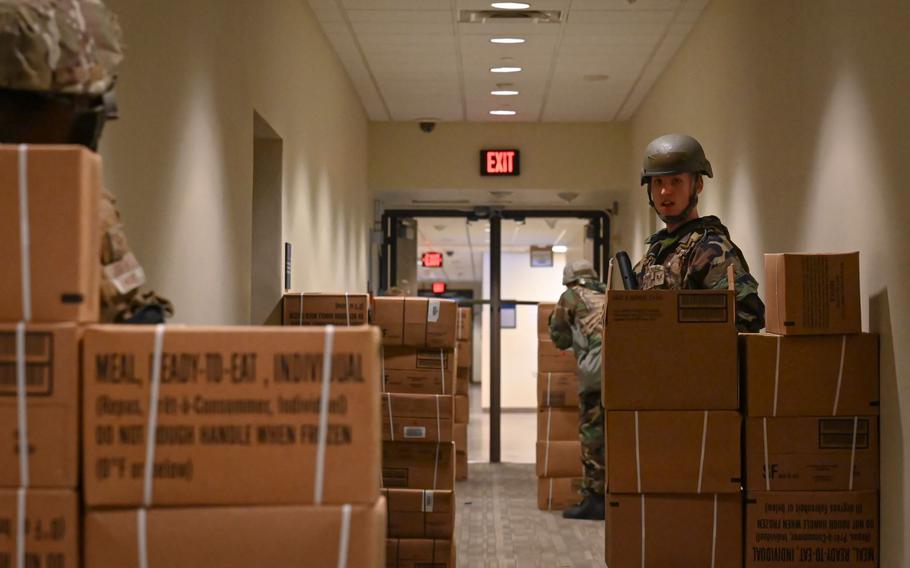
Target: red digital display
<point>439,287</point>
<point>499,162</point>
<point>431,260</point>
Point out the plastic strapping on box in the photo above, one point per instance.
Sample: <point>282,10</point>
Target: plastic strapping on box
<point>764,425</point>
<point>142,537</point>
<point>442,370</point>
<point>324,412</point>
<point>436,467</point>
<point>546,457</point>
<point>382,367</point>
<point>549,387</point>
<point>840,374</point>
<point>642,530</point>
<point>776,377</point>
<point>300,322</point>
<point>853,452</point>
<point>438,421</point>
<point>24,235</point>
<point>714,535</point>
<point>22,417</point>
<point>20,527</point>
<point>391,422</point>
<point>731,278</point>
<point>637,454</point>
<point>152,426</point>
<point>550,496</point>
<point>344,539</point>
<point>701,461</point>
<point>347,308</point>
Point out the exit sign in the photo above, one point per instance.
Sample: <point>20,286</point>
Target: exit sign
<point>431,260</point>
<point>439,287</point>
<point>499,162</point>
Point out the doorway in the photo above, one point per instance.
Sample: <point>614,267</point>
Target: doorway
<point>266,251</point>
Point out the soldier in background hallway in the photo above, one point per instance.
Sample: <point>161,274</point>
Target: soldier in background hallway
<point>577,322</point>
<point>692,252</point>
<point>57,64</point>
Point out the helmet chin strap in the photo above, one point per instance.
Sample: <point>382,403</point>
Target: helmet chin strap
<point>681,217</point>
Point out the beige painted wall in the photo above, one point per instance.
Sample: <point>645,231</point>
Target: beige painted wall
<point>802,108</point>
<point>180,159</point>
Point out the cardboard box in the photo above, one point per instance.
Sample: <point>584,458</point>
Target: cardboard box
<point>819,529</point>
<point>461,438</point>
<point>343,310</point>
<point>557,390</point>
<point>465,354</point>
<point>558,493</point>
<point>420,553</point>
<point>64,190</point>
<point>417,418</point>
<point>432,367</point>
<point>418,382</point>
<point>557,424</point>
<point>463,381</point>
<point>416,322</point>
<point>559,459</point>
<point>52,387</point>
<point>807,375</point>
<point>462,409</point>
<point>461,466</point>
<point>544,309</point>
<point>465,324</point>
<point>553,360</point>
<point>238,415</point>
<point>239,537</point>
<point>811,294</point>
<point>674,530</point>
<point>418,466</point>
<point>420,513</point>
<point>674,452</point>
<point>812,454</point>
<point>695,365</point>
<point>52,528</point>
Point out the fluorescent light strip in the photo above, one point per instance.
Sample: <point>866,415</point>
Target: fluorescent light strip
<point>504,93</point>
<point>505,69</point>
<point>507,40</point>
<point>511,5</point>
<point>502,112</point>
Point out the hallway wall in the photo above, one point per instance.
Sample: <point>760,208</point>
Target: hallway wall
<point>802,109</point>
<point>180,159</point>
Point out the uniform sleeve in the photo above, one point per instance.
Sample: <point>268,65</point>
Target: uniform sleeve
<point>561,320</point>
<point>708,271</point>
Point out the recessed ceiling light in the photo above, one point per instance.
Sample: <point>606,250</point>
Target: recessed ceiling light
<point>502,112</point>
<point>505,69</point>
<point>560,249</point>
<point>504,93</point>
<point>511,5</point>
<point>507,40</point>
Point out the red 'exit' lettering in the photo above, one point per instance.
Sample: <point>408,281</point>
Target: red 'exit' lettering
<point>501,162</point>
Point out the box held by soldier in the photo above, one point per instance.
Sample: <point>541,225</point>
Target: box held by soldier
<point>420,553</point>
<point>420,513</point>
<point>558,493</point>
<point>819,375</point>
<point>240,537</point>
<point>813,294</point>
<point>52,527</point>
<point>557,390</point>
<point>674,530</point>
<point>416,322</point>
<point>544,309</point>
<point>674,451</point>
<point>417,417</point>
<point>812,528</point>
<point>406,465</point>
<point>670,350</point>
<point>309,308</point>
<point>62,187</point>
<point>239,413</point>
<point>559,459</point>
<point>52,405</point>
<point>812,453</point>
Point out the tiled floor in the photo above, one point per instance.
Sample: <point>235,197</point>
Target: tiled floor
<point>518,434</point>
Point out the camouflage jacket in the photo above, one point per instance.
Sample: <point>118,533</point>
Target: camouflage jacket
<point>695,256</point>
<point>577,322</point>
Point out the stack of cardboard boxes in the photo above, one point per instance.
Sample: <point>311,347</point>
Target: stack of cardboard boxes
<point>418,408</point>
<point>465,367</point>
<point>673,429</point>
<point>559,469</point>
<point>811,446</point>
<point>342,310</point>
<point>49,198</point>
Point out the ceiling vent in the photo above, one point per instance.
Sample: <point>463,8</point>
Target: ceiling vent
<point>506,16</point>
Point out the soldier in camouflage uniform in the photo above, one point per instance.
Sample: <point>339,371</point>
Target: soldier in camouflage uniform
<point>577,322</point>
<point>692,252</point>
<point>57,63</point>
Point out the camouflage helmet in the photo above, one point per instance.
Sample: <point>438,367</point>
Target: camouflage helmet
<point>58,46</point>
<point>674,154</point>
<point>577,270</point>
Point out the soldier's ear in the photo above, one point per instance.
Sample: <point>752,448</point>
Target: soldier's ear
<point>699,183</point>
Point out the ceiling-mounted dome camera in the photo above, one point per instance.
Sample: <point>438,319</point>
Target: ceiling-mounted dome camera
<point>427,125</point>
<point>450,252</point>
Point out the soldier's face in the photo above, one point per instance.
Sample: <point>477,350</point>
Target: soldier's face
<point>671,193</point>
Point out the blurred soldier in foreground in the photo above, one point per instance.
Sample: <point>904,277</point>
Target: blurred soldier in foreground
<point>57,73</point>
<point>577,322</point>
